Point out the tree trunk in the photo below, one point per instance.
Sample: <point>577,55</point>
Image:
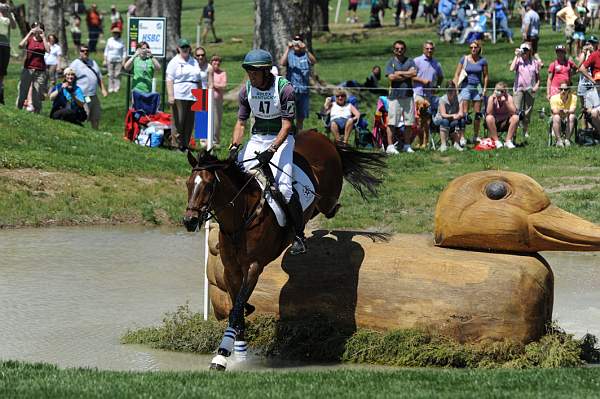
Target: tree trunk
<point>277,21</point>
<point>320,21</point>
<point>171,9</point>
<point>34,11</point>
<point>54,21</point>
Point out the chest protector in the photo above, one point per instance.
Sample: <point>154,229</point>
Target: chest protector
<point>266,107</point>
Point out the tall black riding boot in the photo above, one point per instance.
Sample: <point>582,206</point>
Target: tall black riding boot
<point>1,94</point>
<point>296,214</point>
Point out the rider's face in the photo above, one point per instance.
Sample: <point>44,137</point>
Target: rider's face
<point>257,78</point>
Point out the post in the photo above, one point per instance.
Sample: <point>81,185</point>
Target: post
<point>337,11</point>
<point>209,144</point>
<point>128,92</point>
<point>197,35</point>
<point>494,27</point>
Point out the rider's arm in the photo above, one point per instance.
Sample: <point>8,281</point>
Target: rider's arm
<point>238,132</point>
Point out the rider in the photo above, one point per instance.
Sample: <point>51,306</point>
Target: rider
<point>270,99</point>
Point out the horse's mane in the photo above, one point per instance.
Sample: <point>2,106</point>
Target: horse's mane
<point>207,160</point>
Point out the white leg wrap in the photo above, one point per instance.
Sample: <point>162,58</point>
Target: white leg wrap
<point>228,340</point>
<point>219,362</point>
<point>241,350</point>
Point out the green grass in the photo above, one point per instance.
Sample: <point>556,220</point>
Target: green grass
<point>41,380</point>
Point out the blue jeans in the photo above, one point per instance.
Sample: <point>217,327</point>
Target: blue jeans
<point>502,26</point>
<point>450,125</point>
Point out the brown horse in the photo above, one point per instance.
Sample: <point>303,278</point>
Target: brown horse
<point>249,235</point>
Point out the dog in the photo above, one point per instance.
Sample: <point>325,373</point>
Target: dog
<point>422,121</point>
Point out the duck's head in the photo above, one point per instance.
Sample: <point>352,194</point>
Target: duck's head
<point>507,211</point>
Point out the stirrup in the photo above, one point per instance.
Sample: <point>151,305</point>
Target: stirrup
<point>298,246</point>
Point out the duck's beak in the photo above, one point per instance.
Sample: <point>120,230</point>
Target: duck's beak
<point>556,230</point>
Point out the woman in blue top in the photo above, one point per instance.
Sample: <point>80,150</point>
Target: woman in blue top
<point>473,85</point>
<point>68,100</point>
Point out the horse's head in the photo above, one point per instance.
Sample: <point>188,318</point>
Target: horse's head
<point>201,186</point>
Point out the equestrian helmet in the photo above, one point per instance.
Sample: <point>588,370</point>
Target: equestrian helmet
<point>258,59</point>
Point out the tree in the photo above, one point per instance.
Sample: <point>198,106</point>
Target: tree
<point>277,21</point>
<point>320,22</point>
<point>171,9</point>
<point>51,14</point>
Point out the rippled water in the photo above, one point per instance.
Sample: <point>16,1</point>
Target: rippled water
<point>68,294</point>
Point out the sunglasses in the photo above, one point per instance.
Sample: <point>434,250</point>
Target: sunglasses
<point>200,55</point>
<point>429,48</point>
<point>341,96</point>
<point>564,89</point>
<point>84,51</point>
<point>474,47</point>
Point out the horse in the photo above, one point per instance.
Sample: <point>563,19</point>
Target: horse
<point>249,235</point>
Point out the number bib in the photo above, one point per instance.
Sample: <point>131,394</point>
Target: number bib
<point>266,108</point>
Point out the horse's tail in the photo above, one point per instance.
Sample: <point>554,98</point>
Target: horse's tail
<point>361,169</point>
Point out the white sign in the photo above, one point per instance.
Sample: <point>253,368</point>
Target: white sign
<point>150,30</point>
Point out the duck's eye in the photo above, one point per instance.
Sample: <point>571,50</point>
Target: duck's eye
<point>496,190</point>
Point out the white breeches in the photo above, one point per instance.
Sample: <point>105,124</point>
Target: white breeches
<point>283,158</point>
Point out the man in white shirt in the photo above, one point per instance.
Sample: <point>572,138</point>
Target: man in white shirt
<point>7,21</point>
<point>89,78</point>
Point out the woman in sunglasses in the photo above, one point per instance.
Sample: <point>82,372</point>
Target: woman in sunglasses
<point>34,69</point>
<point>471,77</point>
<point>206,70</point>
<point>563,107</point>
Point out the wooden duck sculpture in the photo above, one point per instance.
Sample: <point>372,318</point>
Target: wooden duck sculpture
<point>479,279</point>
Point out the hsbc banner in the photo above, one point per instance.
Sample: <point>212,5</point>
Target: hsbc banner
<point>152,30</point>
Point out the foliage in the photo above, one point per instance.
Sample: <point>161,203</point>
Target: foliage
<point>321,339</point>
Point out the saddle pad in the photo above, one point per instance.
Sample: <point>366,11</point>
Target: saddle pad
<point>302,184</point>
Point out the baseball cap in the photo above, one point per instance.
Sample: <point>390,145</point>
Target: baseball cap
<point>560,47</point>
<point>183,43</point>
<point>525,46</point>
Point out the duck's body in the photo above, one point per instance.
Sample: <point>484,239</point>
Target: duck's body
<point>470,294</point>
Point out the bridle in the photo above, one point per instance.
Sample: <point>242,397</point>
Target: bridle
<point>207,211</point>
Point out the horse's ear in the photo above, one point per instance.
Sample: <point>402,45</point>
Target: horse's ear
<point>191,159</point>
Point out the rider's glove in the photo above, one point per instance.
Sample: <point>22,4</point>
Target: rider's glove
<point>233,152</point>
<point>264,157</point>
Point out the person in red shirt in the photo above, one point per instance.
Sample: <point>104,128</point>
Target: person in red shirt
<point>560,71</point>
<point>94,23</point>
<point>591,63</point>
<point>34,69</point>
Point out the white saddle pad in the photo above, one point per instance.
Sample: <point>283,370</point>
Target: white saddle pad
<point>302,184</point>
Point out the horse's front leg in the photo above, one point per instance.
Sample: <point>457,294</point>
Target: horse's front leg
<point>234,334</point>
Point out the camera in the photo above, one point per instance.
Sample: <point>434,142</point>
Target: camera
<point>296,42</point>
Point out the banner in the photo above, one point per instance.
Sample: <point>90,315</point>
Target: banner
<point>152,30</point>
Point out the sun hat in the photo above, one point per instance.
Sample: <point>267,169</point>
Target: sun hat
<point>560,47</point>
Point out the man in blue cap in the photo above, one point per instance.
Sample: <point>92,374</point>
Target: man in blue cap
<point>270,99</point>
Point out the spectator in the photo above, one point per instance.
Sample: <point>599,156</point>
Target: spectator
<point>400,70</point>
<point>450,118</point>
<point>501,116</point>
<point>501,9</point>
<point>52,59</point>
<point>527,82</point>
<point>555,7</point>
<point>474,70</point>
<point>372,81</point>
<point>579,31</point>
<point>298,63</point>
<point>34,69</point>
<point>78,7</point>
<point>76,31</point>
<point>208,20</point>
<point>114,54</point>
<point>115,19</point>
<point>206,71</point>
<point>451,27</point>
<point>7,21</point>
<point>559,71</point>
<point>429,73</point>
<point>586,89</point>
<point>89,79</point>
<point>590,68</point>
<point>143,65</point>
<point>563,107</point>
<point>342,115</point>
<point>473,32</point>
<point>219,86</point>
<point>183,75</point>
<point>94,24</point>
<point>68,101</point>
<point>568,16</point>
<point>530,27</point>
<point>131,10</point>
<point>594,6</point>
<point>375,18</point>
<point>351,15</point>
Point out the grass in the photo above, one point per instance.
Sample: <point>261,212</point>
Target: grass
<point>42,380</point>
<point>321,340</point>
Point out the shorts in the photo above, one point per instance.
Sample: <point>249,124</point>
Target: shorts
<point>302,105</point>
<point>470,93</point>
<point>401,112</point>
<point>340,122</point>
<point>524,102</point>
<point>207,22</point>
<point>352,7</point>
<point>578,36</point>
<point>4,59</point>
<point>502,126</point>
<point>452,126</point>
<point>94,110</point>
<point>569,30</point>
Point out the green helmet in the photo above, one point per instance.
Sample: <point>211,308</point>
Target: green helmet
<point>592,39</point>
<point>258,59</point>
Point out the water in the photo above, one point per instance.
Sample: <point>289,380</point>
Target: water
<point>67,295</point>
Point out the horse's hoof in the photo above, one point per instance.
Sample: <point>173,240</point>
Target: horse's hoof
<point>218,363</point>
<point>249,309</point>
